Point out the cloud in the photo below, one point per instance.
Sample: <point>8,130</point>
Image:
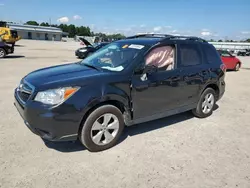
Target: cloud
<point>77,17</point>
<point>159,28</point>
<point>174,31</point>
<point>168,27</point>
<point>63,20</point>
<point>1,4</point>
<point>245,32</point>
<point>206,33</point>
<point>142,25</point>
<point>205,30</point>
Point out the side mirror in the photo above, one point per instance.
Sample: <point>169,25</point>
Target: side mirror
<point>149,69</point>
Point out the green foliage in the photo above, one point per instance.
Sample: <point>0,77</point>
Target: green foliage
<point>110,37</point>
<point>80,31</point>
<point>44,24</point>
<point>32,23</point>
<point>220,41</point>
<point>248,40</point>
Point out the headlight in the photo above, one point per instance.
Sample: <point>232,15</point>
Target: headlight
<point>55,96</point>
<point>83,50</point>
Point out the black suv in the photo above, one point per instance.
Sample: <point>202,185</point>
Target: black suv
<point>130,81</point>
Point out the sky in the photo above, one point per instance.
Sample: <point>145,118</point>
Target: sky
<point>215,19</point>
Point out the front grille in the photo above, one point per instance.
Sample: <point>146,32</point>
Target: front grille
<point>24,91</point>
<point>23,96</point>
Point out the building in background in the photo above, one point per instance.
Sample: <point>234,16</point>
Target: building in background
<point>37,32</point>
<point>231,45</point>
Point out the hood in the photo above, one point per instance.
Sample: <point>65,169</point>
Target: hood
<point>61,75</point>
<point>87,43</point>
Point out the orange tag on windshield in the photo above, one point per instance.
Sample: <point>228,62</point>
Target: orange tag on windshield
<point>125,46</point>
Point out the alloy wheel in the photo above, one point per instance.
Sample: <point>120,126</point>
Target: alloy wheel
<point>237,67</point>
<point>208,103</point>
<point>2,53</point>
<point>105,129</point>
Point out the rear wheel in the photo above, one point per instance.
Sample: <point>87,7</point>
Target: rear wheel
<point>2,53</point>
<point>237,67</point>
<point>206,104</point>
<point>102,128</point>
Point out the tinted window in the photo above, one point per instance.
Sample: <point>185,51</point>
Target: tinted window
<point>190,55</point>
<point>210,53</point>
<point>225,54</point>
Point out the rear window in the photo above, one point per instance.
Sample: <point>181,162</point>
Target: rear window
<point>211,54</point>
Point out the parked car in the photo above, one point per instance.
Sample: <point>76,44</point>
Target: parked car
<point>241,53</point>
<point>247,52</point>
<point>6,49</point>
<point>88,49</point>
<point>231,62</point>
<point>130,81</point>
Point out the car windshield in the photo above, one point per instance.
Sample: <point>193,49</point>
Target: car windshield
<point>115,56</point>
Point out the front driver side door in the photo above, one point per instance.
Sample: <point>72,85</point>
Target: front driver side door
<point>157,92</point>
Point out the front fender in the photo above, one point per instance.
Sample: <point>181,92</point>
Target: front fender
<point>93,96</point>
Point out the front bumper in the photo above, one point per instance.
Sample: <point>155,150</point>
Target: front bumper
<point>61,124</point>
<point>81,54</point>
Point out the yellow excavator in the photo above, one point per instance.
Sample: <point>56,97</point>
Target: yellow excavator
<point>8,35</point>
<point>8,38</point>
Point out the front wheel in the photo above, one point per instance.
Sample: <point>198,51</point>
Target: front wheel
<point>2,53</point>
<point>102,128</point>
<point>206,104</point>
<point>237,67</point>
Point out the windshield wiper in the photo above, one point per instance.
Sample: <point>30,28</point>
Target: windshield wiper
<point>91,66</point>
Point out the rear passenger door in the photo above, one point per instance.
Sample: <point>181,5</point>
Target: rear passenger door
<point>190,64</point>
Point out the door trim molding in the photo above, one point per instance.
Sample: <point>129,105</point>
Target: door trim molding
<point>162,114</point>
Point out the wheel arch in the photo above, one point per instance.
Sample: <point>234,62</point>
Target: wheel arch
<point>215,87</point>
<point>239,62</point>
<point>123,107</point>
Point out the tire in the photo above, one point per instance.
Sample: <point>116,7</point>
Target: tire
<point>237,67</point>
<point>94,136</point>
<point>199,111</point>
<point>2,53</point>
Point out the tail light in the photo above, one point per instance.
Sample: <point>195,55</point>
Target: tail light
<point>223,67</point>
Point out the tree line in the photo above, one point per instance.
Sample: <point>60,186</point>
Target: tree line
<point>73,30</point>
<point>211,40</point>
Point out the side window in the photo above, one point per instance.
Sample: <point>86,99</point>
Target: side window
<point>225,54</point>
<point>190,55</point>
<point>211,55</point>
<point>162,57</point>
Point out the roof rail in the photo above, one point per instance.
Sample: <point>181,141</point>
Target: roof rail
<point>149,35</point>
<point>186,38</point>
<point>167,37</point>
